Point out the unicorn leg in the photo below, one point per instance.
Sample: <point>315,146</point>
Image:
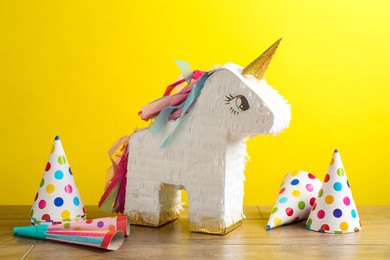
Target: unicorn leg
<point>153,204</point>
<point>207,211</point>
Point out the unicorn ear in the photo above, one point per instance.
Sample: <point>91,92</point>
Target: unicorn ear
<point>258,67</point>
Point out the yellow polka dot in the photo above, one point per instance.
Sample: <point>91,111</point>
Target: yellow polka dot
<point>277,221</point>
<point>294,173</point>
<point>332,161</point>
<point>53,149</point>
<point>329,199</point>
<point>296,193</point>
<point>65,214</point>
<point>344,226</point>
<point>50,188</point>
<point>77,228</point>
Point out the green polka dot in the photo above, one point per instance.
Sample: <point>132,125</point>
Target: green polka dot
<point>31,212</point>
<point>340,172</point>
<point>338,232</point>
<point>309,222</point>
<point>301,205</point>
<point>36,222</point>
<point>42,182</point>
<point>67,225</point>
<point>281,185</point>
<point>274,210</point>
<point>320,193</point>
<point>61,159</point>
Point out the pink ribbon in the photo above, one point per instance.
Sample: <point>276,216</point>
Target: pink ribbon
<point>114,194</point>
<point>153,109</point>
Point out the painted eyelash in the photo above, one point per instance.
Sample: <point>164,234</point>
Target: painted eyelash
<point>233,111</point>
<point>229,98</point>
<point>244,105</point>
<point>227,102</point>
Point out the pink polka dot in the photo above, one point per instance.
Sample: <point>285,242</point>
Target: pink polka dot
<point>309,187</point>
<point>347,201</point>
<point>311,176</point>
<point>42,204</point>
<point>68,188</point>
<point>89,221</point>
<point>327,178</point>
<point>321,214</point>
<point>289,212</point>
<point>282,190</point>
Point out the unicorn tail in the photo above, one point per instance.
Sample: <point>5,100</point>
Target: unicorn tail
<point>113,198</point>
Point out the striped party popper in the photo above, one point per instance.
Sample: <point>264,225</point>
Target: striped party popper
<point>110,223</point>
<point>104,239</point>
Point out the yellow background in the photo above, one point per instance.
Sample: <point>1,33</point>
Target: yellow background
<point>83,69</point>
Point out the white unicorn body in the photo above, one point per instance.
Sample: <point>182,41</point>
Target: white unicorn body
<point>206,155</point>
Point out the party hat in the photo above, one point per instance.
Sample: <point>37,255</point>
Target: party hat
<point>58,199</point>
<point>296,197</point>
<point>335,210</point>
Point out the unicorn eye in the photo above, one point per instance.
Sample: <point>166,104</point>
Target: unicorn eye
<point>237,104</point>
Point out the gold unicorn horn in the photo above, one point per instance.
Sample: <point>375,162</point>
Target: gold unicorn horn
<point>258,67</point>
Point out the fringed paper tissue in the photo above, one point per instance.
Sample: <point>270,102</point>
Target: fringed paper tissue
<point>196,142</point>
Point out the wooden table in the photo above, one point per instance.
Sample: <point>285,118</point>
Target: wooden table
<point>174,241</point>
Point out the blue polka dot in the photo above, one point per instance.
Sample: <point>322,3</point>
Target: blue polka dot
<point>70,171</point>
<point>337,186</point>
<point>268,227</point>
<point>76,201</point>
<point>283,200</point>
<point>353,213</point>
<point>59,175</point>
<point>58,202</point>
<point>295,182</point>
<point>337,213</point>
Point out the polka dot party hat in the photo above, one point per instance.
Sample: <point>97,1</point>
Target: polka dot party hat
<point>296,197</point>
<point>334,210</point>
<point>58,199</point>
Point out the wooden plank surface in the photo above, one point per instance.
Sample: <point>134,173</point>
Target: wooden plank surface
<point>174,240</point>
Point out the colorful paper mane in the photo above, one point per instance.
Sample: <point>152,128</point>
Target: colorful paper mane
<point>172,107</point>
<point>197,142</point>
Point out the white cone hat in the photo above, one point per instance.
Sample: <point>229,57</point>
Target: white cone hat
<point>335,210</point>
<point>58,199</point>
<point>296,197</point>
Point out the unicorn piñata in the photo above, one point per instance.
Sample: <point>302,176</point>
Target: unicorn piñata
<point>197,142</point>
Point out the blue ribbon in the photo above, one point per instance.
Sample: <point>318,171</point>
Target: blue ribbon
<point>163,116</point>
<point>185,70</point>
